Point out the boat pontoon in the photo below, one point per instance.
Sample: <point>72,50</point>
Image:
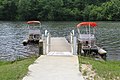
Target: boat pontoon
<point>34,34</point>
<point>86,37</point>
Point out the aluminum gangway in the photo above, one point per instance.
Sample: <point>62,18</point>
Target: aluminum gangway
<point>58,62</point>
<point>60,45</point>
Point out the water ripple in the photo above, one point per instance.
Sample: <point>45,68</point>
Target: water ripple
<point>12,34</point>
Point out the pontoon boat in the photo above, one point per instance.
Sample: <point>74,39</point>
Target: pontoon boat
<point>86,37</point>
<point>34,34</point>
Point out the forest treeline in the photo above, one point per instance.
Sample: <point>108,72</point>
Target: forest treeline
<point>62,10</point>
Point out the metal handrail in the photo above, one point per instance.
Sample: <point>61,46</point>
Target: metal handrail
<point>73,42</point>
<point>47,42</point>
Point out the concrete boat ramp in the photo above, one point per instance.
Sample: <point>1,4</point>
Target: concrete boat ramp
<point>54,68</point>
<point>58,64</point>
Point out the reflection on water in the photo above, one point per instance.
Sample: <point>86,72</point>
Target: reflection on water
<point>13,33</point>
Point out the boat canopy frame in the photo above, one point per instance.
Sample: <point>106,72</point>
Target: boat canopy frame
<point>88,32</point>
<point>33,22</point>
<point>88,26</point>
<point>33,25</point>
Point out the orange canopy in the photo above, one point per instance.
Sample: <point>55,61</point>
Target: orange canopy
<point>33,22</point>
<point>92,24</point>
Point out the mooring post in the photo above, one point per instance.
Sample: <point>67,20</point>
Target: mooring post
<point>41,47</point>
<point>79,48</point>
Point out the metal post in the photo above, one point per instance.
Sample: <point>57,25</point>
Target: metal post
<point>73,32</point>
<point>46,32</point>
<point>89,36</point>
<point>86,30</point>
<point>71,41</point>
<point>49,41</point>
<point>74,45</point>
<point>78,30</point>
<point>47,45</point>
<point>44,44</point>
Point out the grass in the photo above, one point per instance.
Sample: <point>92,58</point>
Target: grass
<point>15,70</point>
<point>107,70</point>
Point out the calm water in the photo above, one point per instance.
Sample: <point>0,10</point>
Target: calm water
<point>13,33</point>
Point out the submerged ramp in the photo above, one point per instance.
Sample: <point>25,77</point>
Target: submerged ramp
<point>59,44</point>
<point>54,68</point>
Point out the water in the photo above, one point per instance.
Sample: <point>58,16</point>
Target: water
<point>13,33</point>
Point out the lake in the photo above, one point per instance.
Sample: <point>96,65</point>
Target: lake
<point>13,33</point>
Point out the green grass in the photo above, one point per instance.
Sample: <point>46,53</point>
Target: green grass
<point>15,70</point>
<point>107,70</point>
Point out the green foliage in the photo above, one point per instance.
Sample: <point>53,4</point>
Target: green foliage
<point>8,10</point>
<point>84,10</point>
<point>15,70</point>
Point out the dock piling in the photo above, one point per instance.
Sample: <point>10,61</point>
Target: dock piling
<point>41,47</point>
<point>79,48</point>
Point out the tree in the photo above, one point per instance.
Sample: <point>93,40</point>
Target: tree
<point>8,10</point>
<point>28,9</point>
<point>111,10</point>
<point>60,10</point>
